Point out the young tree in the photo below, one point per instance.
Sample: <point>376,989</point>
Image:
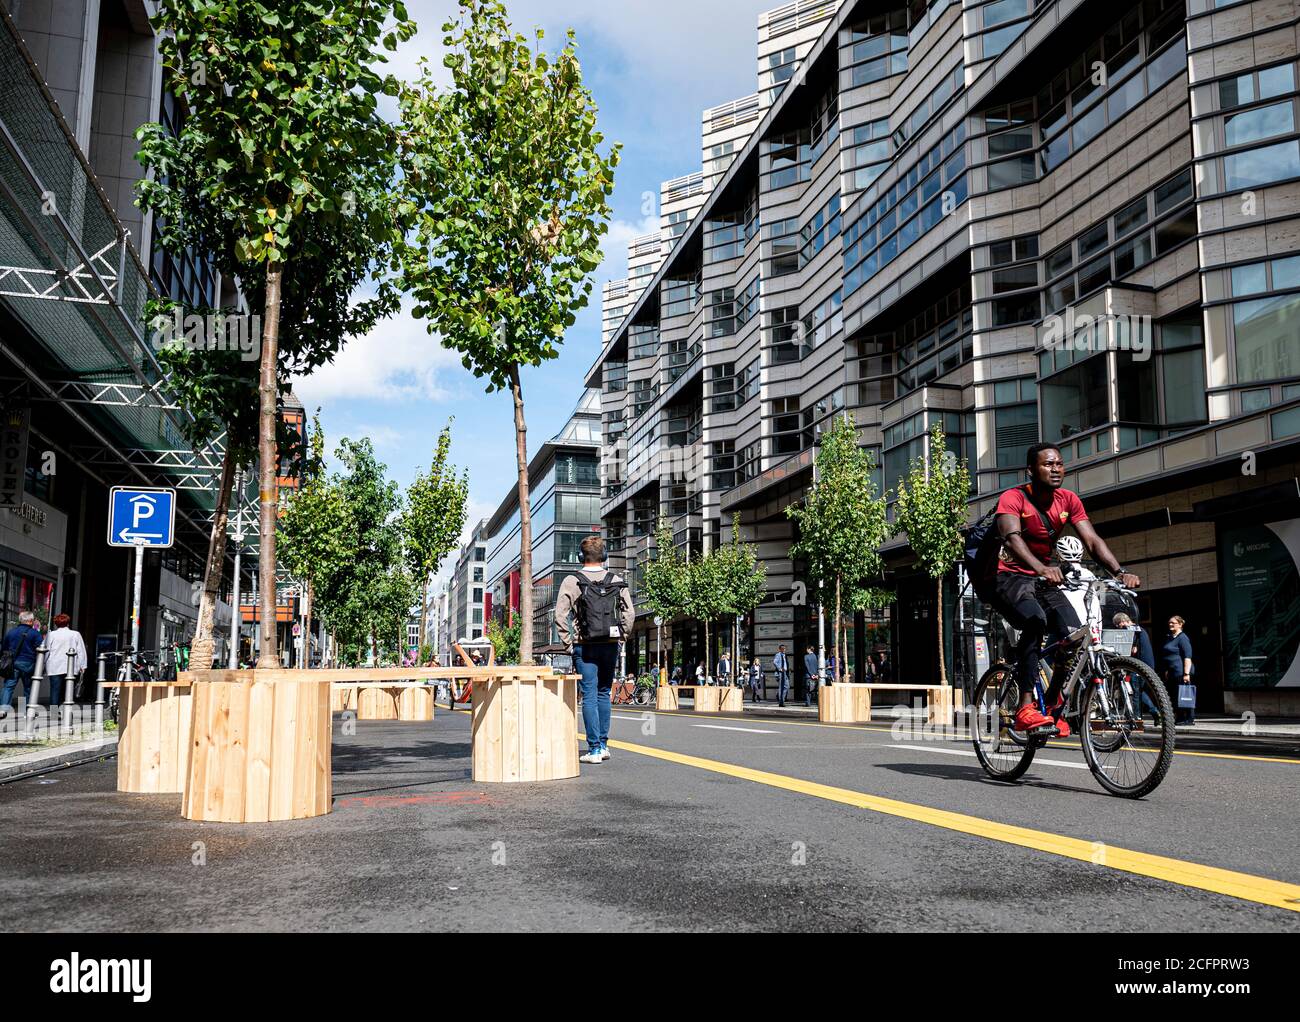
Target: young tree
<point>744,581</point>
<point>663,580</point>
<point>505,640</point>
<point>707,596</point>
<point>508,193</point>
<point>434,517</point>
<point>932,511</point>
<point>318,541</point>
<point>281,157</point>
<point>842,522</point>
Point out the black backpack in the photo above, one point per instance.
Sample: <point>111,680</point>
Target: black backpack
<point>983,545</point>
<point>597,611</point>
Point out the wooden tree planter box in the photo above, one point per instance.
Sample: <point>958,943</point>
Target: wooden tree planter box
<point>375,703</point>
<point>343,698</point>
<point>708,698</point>
<point>153,743</point>
<point>415,705</point>
<point>261,747</point>
<point>525,726</point>
<point>844,704</point>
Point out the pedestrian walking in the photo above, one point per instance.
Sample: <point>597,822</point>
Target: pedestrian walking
<point>756,680</point>
<point>724,670</point>
<point>1177,669</point>
<point>600,605</point>
<point>810,672</point>
<point>59,667</point>
<point>781,664</point>
<point>1141,651</point>
<point>18,657</point>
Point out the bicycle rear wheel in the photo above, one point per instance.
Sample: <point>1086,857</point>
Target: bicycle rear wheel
<point>1003,753</point>
<point>1126,757</point>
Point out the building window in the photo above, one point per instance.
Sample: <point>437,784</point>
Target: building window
<point>642,341</point>
<point>720,317</point>
<point>787,159</point>
<point>782,248</point>
<point>783,342</point>
<point>821,230</point>
<point>1075,400</point>
<point>867,154</point>
<point>478,575</point>
<point>791,429</point>
<point>878,47</point>
<point>614,377</point>
<point>825,321</point>
<point>1015,421</point>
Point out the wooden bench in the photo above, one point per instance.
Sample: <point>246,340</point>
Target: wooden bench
<point>707,698</point>
<point>851,704</point>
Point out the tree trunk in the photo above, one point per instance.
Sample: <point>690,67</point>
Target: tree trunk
<point>201,649</point>
<point>424,610</point>
<point>839,664</point>
<point>306,626</point>
<point>938,602</point>
<point>268,463</point>
<point>708,652</point>
<point>525,525</point>
<point>374,647</point>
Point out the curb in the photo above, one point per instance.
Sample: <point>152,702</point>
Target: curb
<point>16,768</point>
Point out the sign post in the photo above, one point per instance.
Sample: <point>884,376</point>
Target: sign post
<point>140,518</point>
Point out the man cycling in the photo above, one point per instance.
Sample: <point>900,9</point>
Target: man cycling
<point>1030,519</point>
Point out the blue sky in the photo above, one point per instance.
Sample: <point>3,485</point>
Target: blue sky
<point>653,67</point>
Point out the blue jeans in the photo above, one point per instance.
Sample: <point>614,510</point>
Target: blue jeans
<point>596,663</point>
<point>782,686</point>
<point>56,689</point>
<point>23,675</point>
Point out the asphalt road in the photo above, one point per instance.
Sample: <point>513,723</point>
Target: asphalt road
<point>711,824</point>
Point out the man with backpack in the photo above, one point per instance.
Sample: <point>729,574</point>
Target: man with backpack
<point>603,615</point>
<point>1029,520</point>
<point>18,659</point>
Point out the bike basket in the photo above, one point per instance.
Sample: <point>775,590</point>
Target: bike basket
<point>1118,640</point>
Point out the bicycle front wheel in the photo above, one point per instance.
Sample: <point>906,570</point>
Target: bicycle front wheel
<point>1003,753</point>
<point>1128,758</point>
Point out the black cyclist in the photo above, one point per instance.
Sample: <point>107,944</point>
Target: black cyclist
<point>1030,519</point>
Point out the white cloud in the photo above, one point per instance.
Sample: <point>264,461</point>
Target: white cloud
<point>397,361</point>
<point>614,246</point>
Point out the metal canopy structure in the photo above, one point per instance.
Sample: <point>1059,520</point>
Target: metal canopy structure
<point>70,277</point>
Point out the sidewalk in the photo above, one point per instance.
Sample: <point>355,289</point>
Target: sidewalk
<point>22,759</point>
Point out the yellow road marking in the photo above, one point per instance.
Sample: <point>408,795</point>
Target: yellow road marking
<point>1244,886</point>
<point>1050,745</point>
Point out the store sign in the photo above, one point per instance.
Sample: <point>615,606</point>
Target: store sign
<point>1261,628</point>
<point>30,513</point>
<point>14,430</point>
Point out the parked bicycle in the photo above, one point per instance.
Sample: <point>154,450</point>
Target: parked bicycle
<point>1102,704</point>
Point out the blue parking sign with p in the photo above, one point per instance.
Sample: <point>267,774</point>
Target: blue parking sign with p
<point>141,517</point>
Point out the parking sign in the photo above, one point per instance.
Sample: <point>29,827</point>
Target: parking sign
<point>141,517</point>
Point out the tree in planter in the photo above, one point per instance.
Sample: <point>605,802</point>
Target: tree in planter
<point>663,579</point>
<point>318,541</point>
<point>932,511</point>
<point>707,596</point>
<point>434,518</point>
<point>744,582</point>
<point>281,157</point>
<point>508,194</point>
<point>842,524</point>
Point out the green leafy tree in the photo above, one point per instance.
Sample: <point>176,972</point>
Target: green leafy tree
<point>663,579</point>
<point>508,194</point>
<point>281,160</point>
<point>707,595</point>
<point>317,538</point>
<point>744,581</point>
<point>505,639</point>
<point>842,525</point>
<point>932,511</point>
<point>434,517</point>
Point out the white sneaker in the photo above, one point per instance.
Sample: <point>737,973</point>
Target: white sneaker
<point>604,753</point>
<point>593,756</point>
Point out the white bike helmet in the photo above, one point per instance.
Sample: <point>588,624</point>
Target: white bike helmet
<point>1069,549</point>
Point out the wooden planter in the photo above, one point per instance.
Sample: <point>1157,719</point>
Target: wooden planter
<point>666,698</point>
<point>525,728</point>
<point>343,699</point>
<point>153,737</point>
<point>377,703</point>
<point>844,704</point>
<point>732,699</point>
<point>415,704</point>
<point>261,747</point>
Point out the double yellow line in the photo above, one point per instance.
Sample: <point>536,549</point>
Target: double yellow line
<point>1260,890</point>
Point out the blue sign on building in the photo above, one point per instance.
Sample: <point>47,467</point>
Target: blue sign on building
<point>141,517</point>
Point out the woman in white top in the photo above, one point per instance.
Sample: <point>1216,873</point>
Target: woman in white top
<point>61,641</point>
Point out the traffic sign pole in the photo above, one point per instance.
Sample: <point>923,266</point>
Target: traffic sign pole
<point>135,603</point>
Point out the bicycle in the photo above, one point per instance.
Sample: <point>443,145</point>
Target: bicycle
<point>1126,759</point>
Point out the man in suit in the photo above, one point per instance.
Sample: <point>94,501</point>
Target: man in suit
<point>811,672</point>
<point>781,664</point>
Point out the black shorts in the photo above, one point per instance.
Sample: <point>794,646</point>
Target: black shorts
<point>1044,609</point>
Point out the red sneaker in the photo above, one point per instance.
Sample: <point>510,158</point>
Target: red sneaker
<point>1062,725</point>
<point>1028,718</point>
